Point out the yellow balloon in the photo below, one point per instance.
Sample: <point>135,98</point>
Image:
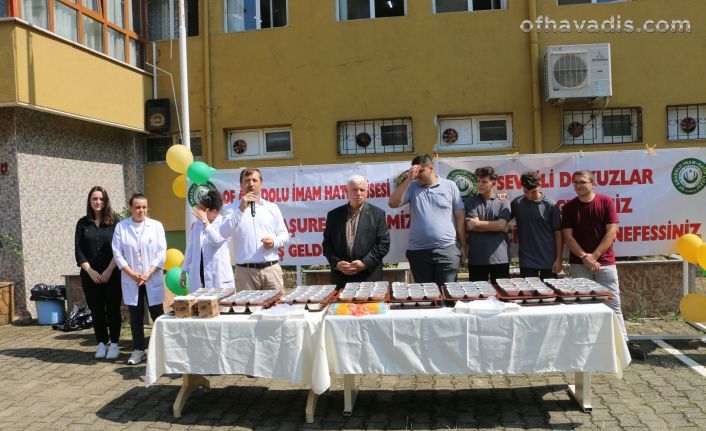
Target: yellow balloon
<point>179,186</point>
<point>687,245</point>
<point>693,307</point>
<point>701,256</point>
<point>179,158</point>
<point>174,259</point>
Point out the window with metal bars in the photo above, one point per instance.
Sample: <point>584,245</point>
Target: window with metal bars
<point>607,126</point>
<point>686,122</point>
<point>375,136</point>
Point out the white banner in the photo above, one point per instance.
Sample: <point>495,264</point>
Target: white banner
<point>305,194</point>
<point>659,195</point>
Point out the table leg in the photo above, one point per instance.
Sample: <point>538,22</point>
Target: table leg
<point>581,391</point>
<point>350,393</point>
<point>311,406</point>
<point>189,383</point>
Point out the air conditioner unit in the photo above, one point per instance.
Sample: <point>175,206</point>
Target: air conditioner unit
<point>577,72</point>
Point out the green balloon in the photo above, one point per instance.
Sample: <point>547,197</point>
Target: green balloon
<point>199,173</point>
<point>171,279</point>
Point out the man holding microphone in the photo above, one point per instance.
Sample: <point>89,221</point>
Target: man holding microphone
<point>257,231</point>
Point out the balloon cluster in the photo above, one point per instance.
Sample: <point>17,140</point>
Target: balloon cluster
<point>693,250</point>
<point>173,266</point>
<point>181,160</point>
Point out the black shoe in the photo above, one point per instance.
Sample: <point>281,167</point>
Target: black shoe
<point>636,352</point>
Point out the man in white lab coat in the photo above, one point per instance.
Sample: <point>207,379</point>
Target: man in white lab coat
<point>207,258</point>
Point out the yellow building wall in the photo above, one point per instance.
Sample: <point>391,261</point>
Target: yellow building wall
<point>318,71</point>
<point>649,70</point>
<point>8,93</point>
<point>61,77</point>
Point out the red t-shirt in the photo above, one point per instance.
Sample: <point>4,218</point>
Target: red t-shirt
<point>588,221</point>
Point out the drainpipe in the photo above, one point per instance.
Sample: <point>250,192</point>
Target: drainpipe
<point>536,95</point>
<point>206,39</point>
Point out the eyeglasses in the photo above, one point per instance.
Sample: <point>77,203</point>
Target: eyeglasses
<point>581,183</point>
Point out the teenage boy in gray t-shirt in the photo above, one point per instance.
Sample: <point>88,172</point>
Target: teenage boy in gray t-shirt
<point>486,223</point>
<point>436,222</point>
<point>538,229</point>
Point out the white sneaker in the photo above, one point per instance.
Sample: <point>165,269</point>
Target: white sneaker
<point>113,351</point>
<point>136,357</point>
<point>102,350</point>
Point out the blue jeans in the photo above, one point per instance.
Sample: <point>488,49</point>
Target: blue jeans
<point>607,276</point>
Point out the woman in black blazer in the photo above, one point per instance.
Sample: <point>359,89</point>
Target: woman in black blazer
<point>99,275</point>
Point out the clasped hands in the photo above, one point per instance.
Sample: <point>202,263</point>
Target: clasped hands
<point>99,277</point>
<point>590,261</point>
<point>350,268</point>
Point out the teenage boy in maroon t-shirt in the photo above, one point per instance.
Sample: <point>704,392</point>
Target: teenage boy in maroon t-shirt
<point>589,223</point>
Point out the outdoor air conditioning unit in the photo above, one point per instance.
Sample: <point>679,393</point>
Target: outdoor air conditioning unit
<point>577,72</point>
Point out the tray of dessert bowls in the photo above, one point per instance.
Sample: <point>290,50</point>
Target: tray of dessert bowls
<point>411,295</point>
<point>312,298</point>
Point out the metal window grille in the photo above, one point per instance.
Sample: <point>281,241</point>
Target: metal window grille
<point>375,136</point>
<point>686,122</point>
<point>608,126</point>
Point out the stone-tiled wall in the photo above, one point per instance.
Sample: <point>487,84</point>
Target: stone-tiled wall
<point>651,288</point>
<point>11,268</point>
<point>58,160</point>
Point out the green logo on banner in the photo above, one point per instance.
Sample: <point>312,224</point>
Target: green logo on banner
<point>465,181</point>
<point>689,176</point>
<point>197,191</point>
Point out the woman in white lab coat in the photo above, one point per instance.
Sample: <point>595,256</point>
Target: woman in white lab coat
<point>139,249</point>
<point>207,258</point>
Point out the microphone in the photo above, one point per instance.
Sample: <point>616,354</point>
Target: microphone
<point>252,208</point>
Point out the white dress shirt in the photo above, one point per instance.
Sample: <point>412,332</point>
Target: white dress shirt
<point>217,271</point>
<point>246,232</point>
<point>142,246</point>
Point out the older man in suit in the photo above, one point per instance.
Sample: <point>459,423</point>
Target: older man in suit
<point>356,238</point>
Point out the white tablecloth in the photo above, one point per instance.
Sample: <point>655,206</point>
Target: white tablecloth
<point>238,344</point>
<point>564,338</point>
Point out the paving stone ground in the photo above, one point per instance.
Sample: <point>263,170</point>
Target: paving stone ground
<point>50,380</point>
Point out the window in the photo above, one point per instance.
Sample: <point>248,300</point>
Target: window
<point>686,122</point>
<point>35,12</point>
<point>156,146</point>
<point>3,8</point>
<point>120,21</point>
<point>244,15</point>
<point>609,126</point>
<point>566,2</point>
<point>363,9</point>
<point>443,6</point>
<point>480,132</point>
<point>260,143</point>
<point>163,19</point>
<point>375,136</point>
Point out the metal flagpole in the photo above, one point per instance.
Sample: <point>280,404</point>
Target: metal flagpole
<point>184,77</point>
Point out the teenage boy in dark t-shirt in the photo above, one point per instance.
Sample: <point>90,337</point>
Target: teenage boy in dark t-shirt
<point>538,229</point>
<point>486,224</point>
<point>590,223</point>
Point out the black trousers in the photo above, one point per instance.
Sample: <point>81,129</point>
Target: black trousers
<point>486,272</point>
<point>541,273</point>
<point>104,301</point>
<point>137,317</point>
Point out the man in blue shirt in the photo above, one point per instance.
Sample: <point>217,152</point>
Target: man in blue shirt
<point>436,222</point>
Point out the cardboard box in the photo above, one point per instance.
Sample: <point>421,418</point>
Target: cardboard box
<point>184,306</point>
<point>208,306</point>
